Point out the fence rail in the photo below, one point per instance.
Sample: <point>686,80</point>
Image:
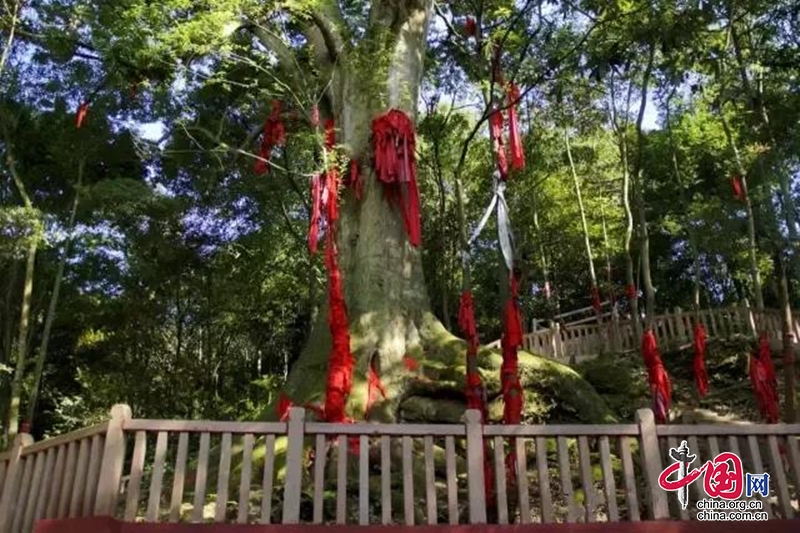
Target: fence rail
<point>580,341</point>
<point>309,472</point>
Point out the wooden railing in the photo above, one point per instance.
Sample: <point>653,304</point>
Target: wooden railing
<point>576,342</point>
<point>309,472</point>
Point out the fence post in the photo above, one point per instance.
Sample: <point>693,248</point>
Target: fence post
<point>11,486</point>
<point>651,459</point>
<point>294,465</point>
<point>475,461</point>
<point>680,326</point>
<point>108,483</point>
<point>748,318</point>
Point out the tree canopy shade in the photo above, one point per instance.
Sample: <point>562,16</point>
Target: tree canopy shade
<point>164,239</point>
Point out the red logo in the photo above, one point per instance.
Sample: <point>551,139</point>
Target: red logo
<point>722,476</point>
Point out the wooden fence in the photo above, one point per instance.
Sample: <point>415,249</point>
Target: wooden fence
<point>581,341</point>
<point>309,472</point>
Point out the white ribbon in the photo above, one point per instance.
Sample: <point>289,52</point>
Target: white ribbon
<point>504,233</point>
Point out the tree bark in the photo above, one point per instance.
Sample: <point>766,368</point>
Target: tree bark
<point>387,302</point>
<point>638,185</point>
<point>51,310</point>
<point>755,275</point>
<point>790,414</point>
<point>12,425</point>
<point>586,241</point>
<point>622,142</point>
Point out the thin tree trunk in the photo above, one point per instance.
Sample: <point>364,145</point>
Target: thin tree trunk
<point>693,250</point>
<point>755,275</point>
<point>538,236</point>
<point>644,237</point>
<point>586,241</point>
<point>51,310</point>
<point>622,139</point>
<point>788,343</point>
<point>14,10</point>
<point>12,426</point>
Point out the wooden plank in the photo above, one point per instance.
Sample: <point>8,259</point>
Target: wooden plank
<point>523,494</point>
<point>452,480</point>
<point>386,480</point>
<point>566,478</point>
<point>179,479</point>
<point>267,479</point>
<point>80,479</point>
<point>223,478</point>
<point>590,496</point>
<point>713,446</point>
<point>794,458</point>
<point>135,476</point>
<point>72,436</point>
<point>629,479</point>
<point>543,472</point>
<point>246,472</point>
<point>201,478</point>
<point>157,478</point>
<point>3,467</point>
<point>69,479</point>
<point>683,513</point>
<point>557,430</point>
<point>706,430</point>
<point>293,483</point>
<point>733,445</point>
<point>651,459</point>
<point>19,505</point>
<point>608,480</point>
<point>363,480</point>
<point>33,491</point>
<point>500,487</point>
<point>408,482</point>
<point>758,468</point>
<point>56,486</point>
<point>779,475</point>
<point>93,476</point>
<point>430,481</point>
<point>43,497</point>
<point>694,448</point>
<point>206,426</point>
<point>320,452</point>
<point>376,430</point>
<point>341,481</point>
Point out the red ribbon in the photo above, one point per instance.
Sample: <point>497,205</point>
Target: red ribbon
<point>396,167</point>
<point>738,187</point>
<point>514,138</point>
<point>657,377</point>
<point>699,364</point>
<point>283,406</point>
<point>316,211</point>
<point>470,27</point>
<point>630,291</point>
<point>374,387</point>
<point>496,132</point>
<point>80,116</point>
<point>596,304</point>
<point>762,376</point>
<point>355,181</point>
<point>410,363</point>
<point>273,134</point>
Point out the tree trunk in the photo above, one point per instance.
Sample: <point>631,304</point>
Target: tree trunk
<point>755,275</point>
<point>638,185</point>
<point>622,143</point>
<point>787,322</point>
<point>586,242</point>
<point>12,425</point>
<point>385,292</point>
<point>387,303</point>
<point>53,306</point>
